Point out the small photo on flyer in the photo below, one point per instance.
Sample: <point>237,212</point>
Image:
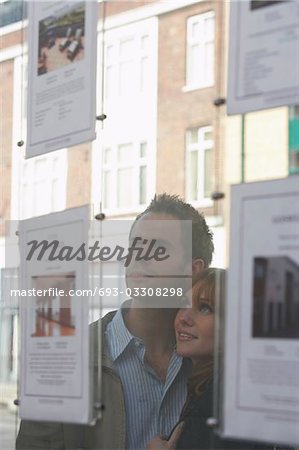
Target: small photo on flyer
<point>275,297</point>
<point>53,311</point>
<point>61,38</point>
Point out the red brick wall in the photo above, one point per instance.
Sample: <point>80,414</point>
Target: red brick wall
<point>11,39</point>
<point>79,175</point>
<point>178,110</point>
<point>118,6</point>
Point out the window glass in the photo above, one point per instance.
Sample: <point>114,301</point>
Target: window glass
<point>125,191</point>
<point>192,62</point>
<point>195,30</point>
<point>109,54</point>
<point>125,153</point>
<point>143,146</point>
<point>193,136</point>
<point>130,83</point>
<point>144,73</point>
<point>199,164</point>
<point>109,81</point>
<point>25,205</point>
<point>107,189</point>
<point>40,168</point>
<point>142,185</point>
<point>208,135</point>
<point>126,78</point>
<point>40,194</point>
<point>126,49</point>
<point>193,167</point>
<point>107,156</point>
<point>200,50</point>
<point>209,63</point>
<point>125,179</point>
<point>144,43</point>
<point>209,24</point>
<point>126,67</point>
<point>208,175</point>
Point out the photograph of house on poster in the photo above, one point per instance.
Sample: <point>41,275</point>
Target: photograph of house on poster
<point>275,297</point>
<point>61,38</point>
<point>53,312</point>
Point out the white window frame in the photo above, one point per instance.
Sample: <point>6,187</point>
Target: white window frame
<point>19,164</point>
<point>55,167</point>
<point>130,119</point>
<point>135,164</point>
<point>202,81</point>
<point>115,60</point>
<point>200,147</point>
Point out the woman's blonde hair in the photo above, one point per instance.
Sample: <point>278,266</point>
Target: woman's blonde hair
<point>207,285</point>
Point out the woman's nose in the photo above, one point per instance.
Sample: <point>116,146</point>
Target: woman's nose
<point>185,316</point>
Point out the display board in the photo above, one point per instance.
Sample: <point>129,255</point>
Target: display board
<point>61,105</point>
<point>55,377</point>
<point>261,357</point>
<point>263,66</point>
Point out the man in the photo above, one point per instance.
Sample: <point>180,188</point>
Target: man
<point>143,380</point>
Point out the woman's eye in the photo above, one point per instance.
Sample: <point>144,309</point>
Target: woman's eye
<point>204,308</point>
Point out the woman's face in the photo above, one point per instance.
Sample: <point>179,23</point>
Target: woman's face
<point>194,329</point>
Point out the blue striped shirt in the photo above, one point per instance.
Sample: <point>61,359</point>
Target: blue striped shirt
<point>152,407</point>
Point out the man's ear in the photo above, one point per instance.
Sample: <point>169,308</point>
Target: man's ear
<point>198,266</point>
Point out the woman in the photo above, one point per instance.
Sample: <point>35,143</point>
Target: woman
<point>194,328</point>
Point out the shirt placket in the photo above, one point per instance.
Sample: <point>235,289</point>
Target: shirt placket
<point>165,407</point>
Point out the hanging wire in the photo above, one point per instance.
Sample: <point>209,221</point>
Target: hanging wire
<point>20,143</point>
<point>101,216</point>
<point>103,55</point>
<point>103,96</point>
<point>103,116</point>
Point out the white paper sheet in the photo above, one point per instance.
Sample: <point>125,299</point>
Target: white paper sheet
<point>263,55</point>
<point>261,385</point>
<point>62,75</point>
<point>55,378</point>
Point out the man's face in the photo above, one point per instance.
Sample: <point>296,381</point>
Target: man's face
<point>162,280</point>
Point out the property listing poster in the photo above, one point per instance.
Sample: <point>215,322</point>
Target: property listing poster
<point>263,55</point>
<point>261,376</point>
<point>55,379</point>
<point>62,74</point>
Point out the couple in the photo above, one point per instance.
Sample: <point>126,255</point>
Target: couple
<point>144,381</point>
